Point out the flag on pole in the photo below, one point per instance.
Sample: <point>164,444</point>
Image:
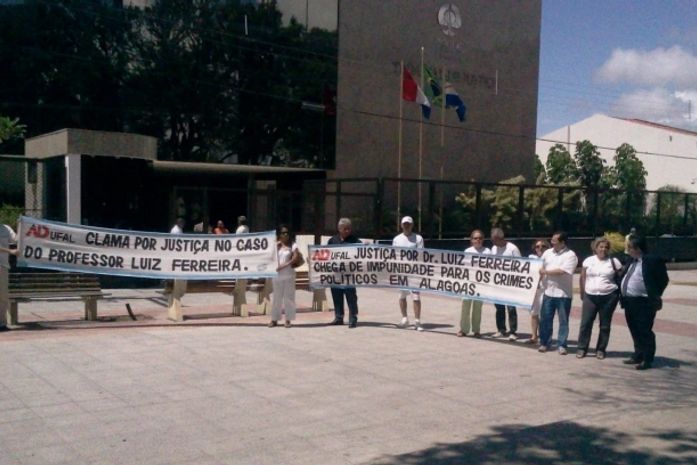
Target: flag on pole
<point>453,100</point>
<point>432,87</point>
<point>411,92</point>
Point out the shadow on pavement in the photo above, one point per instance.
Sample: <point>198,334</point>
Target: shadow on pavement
<point>558,443</point>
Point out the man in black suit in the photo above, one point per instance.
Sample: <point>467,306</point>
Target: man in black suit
<point>344,237</point>
<point>642,287</point>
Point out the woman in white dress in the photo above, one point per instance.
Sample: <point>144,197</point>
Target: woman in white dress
<point>284,282</point>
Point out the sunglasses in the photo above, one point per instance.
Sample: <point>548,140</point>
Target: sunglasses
<point>540,246</point>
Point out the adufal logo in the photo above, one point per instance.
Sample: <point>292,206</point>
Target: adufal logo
<point>39,231</point>
<point>321,255</point>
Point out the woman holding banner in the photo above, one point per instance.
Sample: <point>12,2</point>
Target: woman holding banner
<point>469,306</point>
<point>284,282</point>
<point>538,248</point>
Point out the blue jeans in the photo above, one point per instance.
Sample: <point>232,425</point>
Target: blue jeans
<point>562,305</point>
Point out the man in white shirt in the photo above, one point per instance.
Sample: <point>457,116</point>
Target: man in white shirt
<point>507,249</point>
<point>7,237</point>
<point>242,227</point>
<point>178,227</point>
<point>409,239</point>
<point>558,266</point>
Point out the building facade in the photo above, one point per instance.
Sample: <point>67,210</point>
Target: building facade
<point>488,51</point>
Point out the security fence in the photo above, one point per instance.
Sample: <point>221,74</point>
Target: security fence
<point>451,209</point>
<point>441,209</point>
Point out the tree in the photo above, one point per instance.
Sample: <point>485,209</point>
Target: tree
<point>185,71</point>
<point>560,166</point>
<point>63,63</point>
<point>623,207</point>
<point>10,129</point>
<point>539,170</point>
<point>628,173</point>
<point>590,165</point>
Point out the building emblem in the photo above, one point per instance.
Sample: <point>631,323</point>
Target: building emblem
<point>449,18</point>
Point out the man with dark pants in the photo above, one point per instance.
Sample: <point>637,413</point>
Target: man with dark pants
<point>344,236</point>
<point>642,287</point>
<point>507,249</point>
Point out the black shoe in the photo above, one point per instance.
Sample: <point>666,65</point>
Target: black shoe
<point>4,328</point>
<point>631,361</point>
<point>643,366</point>
<point>353,323</point>
<point>336,322</point>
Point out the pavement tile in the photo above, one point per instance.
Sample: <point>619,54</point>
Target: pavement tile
<point>218,389</point>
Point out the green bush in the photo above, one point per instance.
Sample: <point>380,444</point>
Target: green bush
<point>9,214</point>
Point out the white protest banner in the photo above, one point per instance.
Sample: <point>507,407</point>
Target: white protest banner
<point>491,278</point>
<point>86,249</point>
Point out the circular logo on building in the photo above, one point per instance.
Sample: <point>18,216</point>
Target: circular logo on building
<point>449,18</point>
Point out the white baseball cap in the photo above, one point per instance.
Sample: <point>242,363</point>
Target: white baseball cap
<point>407,219</point>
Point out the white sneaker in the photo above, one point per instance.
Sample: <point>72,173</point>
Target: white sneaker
<point>512,337</point>
<point>497,334</point>
<point>404,323</point>
<point>417,325</point>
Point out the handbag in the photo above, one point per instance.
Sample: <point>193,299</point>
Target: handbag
<point>299,260</point>
<point>617,278</point>
<point>618,281</point>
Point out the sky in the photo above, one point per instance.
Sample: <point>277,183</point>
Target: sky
<point>634,59</point>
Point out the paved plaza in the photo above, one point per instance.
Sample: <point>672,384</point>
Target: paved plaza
<point>218,389</point>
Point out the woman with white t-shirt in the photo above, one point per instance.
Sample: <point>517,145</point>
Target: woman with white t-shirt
<point>469,306</point>
<point>599,293</point>
<point>284,282</point>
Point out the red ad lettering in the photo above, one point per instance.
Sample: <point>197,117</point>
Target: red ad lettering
<point>321,255</point>
<point>38,231</point>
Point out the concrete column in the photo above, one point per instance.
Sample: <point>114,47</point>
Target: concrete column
<point>174,312</point>
<point>73,184</point>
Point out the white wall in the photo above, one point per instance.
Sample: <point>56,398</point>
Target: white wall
<point>606,131</point>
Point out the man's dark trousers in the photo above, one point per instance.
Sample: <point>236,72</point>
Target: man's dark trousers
<point>640,314</point>
<point>501,318</point>
<point>351,299</point>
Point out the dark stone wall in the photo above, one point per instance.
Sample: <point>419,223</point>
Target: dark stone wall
<point>497,141</point>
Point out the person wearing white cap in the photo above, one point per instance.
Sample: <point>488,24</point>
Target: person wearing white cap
<point>408,238</point>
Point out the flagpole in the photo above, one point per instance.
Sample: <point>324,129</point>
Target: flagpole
<point>421,144</point>
<point>442,145</point>
<point>442,108</point>
<point>399,143</point>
